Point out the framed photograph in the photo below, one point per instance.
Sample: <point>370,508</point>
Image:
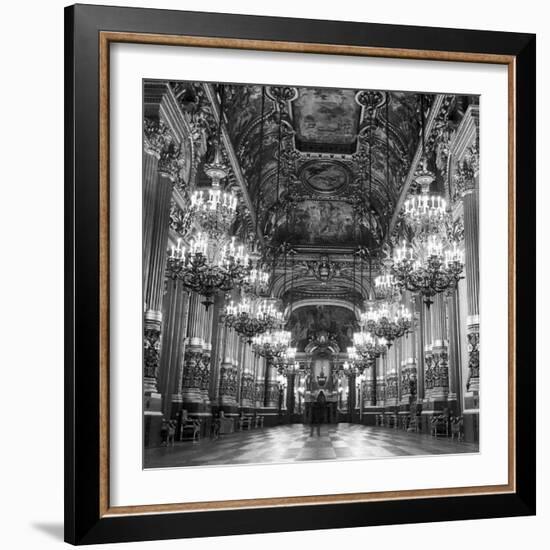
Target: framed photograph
<point>299,263</point>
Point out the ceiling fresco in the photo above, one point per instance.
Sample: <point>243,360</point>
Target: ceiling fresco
<point>326,120</point>
<point>323,222</point>
<point>323,169</point>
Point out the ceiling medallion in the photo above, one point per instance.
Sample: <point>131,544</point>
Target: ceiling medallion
<point>324,177</point>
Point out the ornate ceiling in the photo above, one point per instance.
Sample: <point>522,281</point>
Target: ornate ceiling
<point>324,171</point>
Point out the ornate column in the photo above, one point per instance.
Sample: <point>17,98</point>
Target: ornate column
<point>228,376</point>
<point>455,394</point>
<point>175,313</point>
<point>380,382</point>
<point>271,396</point>
<point>390,402</point>
<point>467,180</point>
<point>218,343</point>
<point>437,359</point>
<point>158,186</point>
<point>196,368</point>
<point>247,380</point>
<point>259,385</point>
<point>420,343</point>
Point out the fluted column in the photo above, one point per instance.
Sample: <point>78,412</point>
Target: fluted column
<point>218,343</point>
<point>420,343</point>
<point>175,314</point>
<point>259,382</point>
<point>455,393</point>
<point>391,380</point>
<point>471,244</point>
<point>381,381</point>
<point>194,368</point>
<point>160,170</point>
<point>228,375</point>
<point>439,368</point>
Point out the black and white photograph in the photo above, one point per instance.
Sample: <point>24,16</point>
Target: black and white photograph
<point>310,274</point>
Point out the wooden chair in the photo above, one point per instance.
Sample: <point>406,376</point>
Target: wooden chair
<point>440,425</point>
<point>190,428</point>
<point>457,428</point>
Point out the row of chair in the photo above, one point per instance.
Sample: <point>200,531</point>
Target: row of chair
<point>250,421</point>
<point>439,424</point>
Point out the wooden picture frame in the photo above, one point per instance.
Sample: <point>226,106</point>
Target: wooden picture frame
<point>89,32</point>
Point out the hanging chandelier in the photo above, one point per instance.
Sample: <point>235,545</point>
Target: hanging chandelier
<point>425,213</point>
<point>257,280</point>
<point>214,208</point>
<point>209,265</point>
<point>353,363</point>
<point>286,362</point>
<point>368,347</point>
<point>251,317</point>
<point>271,344</point>
<point>429,269</point>
<point>387,321</point>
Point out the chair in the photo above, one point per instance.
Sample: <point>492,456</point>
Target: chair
<point>457,428</point>
<point>440,425</point>
<point>190,428</point>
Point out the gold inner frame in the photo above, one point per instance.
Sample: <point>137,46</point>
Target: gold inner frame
<point>105,39</point>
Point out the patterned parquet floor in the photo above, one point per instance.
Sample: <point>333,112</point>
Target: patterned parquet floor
<point>291,443</point>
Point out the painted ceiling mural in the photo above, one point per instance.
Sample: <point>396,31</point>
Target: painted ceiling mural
<point>322,323</point>
<point>323,169</point>
<point>326,120</point>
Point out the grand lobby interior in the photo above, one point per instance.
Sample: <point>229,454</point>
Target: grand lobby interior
<point>310,274</point>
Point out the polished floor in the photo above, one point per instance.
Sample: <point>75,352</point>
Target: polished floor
<point>291,443</point>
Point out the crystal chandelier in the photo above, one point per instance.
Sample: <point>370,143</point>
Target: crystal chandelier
<point>209,265</point>
<point>251,317</point>
<point>214,208</point>
<point>257,280</point>
<point>423,212</point>
<point>387,321</point>
<point>429,269</point>
<point>353,363</point>
<point>271,344</point>
<point>368,347</point>
<point>286,362</point>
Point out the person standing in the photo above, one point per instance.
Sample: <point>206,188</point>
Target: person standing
<point>316,418</point>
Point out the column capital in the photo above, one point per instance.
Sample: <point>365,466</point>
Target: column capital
<point>156,135</point>
<point>171,161</point>
<point>467,172</point>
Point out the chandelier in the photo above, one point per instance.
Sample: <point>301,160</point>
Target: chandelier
<point>257,280</point>
<point>271,344</point>
<point>368,347</point>
<point>423,212</point>
<point>387,321</point>
<point>251,317</point>
<point>429,269</point>
<point>353,363</point>
<point>286,362</point>
<point>215,209</point>
<point>208,265</point>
